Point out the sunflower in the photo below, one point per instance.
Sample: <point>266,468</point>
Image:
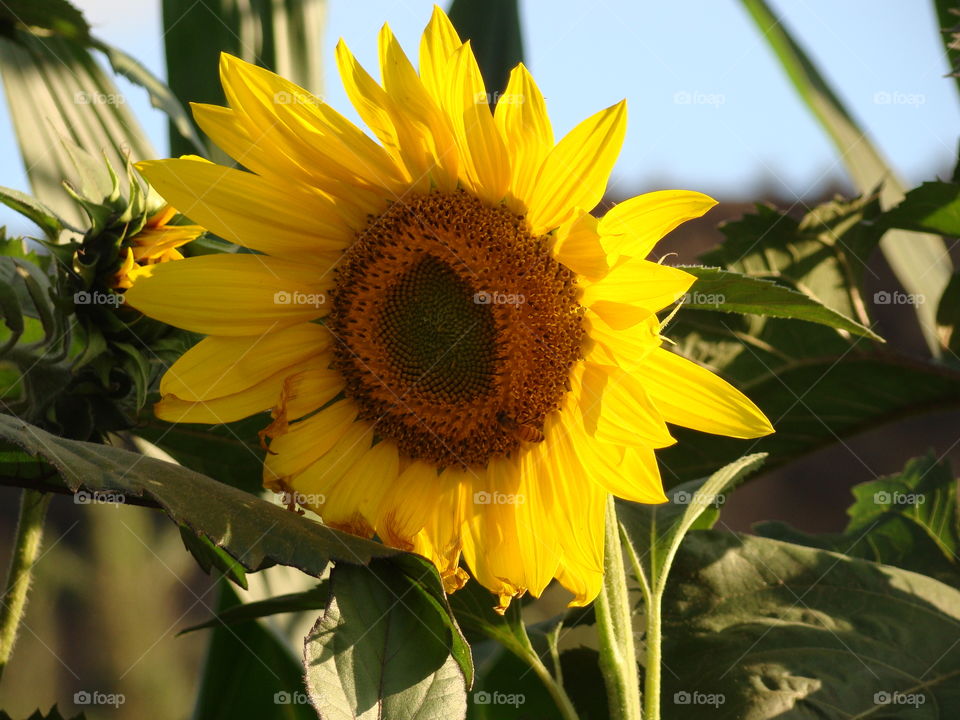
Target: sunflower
<point>156,242</point>
<point>459,358</point>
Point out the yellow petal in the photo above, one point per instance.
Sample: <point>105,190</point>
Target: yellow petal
<point>439,41</point>
<point>575,173</point>
<point>297,123</point>
<point>353,501</point>
<point>692,396</point>
<point>278,219</point>
<point>483,156</point>
<point>408,504</point>
<point>440,539</point>
<point>257,398</point>
<point>307,441</point>
<point>522,119</point>
<point>230,294</point>
<point>318,480</point>
<point>578,246</point>
<point>634,226</point>
<point>642,286</point>
<point>490,542</point>
<point>412,107</point>
<point>616,408</point>
<point>309,390</point>
<point>218,366</point>
<point>625,347</point>
<point>537,532</point>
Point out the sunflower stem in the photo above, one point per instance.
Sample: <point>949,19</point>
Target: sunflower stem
<point>26,548</point>
<point>615,628</point>
<point>559,695</point>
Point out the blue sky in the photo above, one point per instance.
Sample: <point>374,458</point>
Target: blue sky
<point>709,107</point>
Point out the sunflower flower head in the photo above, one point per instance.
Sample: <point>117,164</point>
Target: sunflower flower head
<point>156,242</point>
<point>458,357</point>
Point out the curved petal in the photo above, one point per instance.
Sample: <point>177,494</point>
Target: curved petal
<point>256,153</point>
<point>485,165</point>
<point>643,287</point>
<point>439,41</point>
<point>316,484</point>
<point>522,119</point>
<point>575,173</point>
<point>616,409</point>
<point>408,504</point>
<point>578,246</point>
<point>414,107</point>
<point>692,396</point>
<point>302,125</point>
<point>353,500</point>
<point>230,294</point>
<point>218,366</point>
<point>248,210</point>
<point>307,441</point>
<point>634,226</point>
<point>228,408</point>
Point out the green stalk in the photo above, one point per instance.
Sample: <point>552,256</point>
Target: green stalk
<point>33,509</point>
<point>559,695</point>
<point>615,628</point>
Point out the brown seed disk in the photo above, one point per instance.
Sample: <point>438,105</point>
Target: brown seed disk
<point>455,329</point>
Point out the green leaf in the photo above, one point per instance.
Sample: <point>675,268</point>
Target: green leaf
<point>910,520</point>
<point>210,557</point>
<point>725,291</point>
<point>161,96</point>
<point>919,260</point>
<point>230,453</point>
<point>756,628</point>
<point>250,673</point>
<point>58,17</point>
<point>381,650</point>
<point>815,402</point>
<point>58,94</point>
<point>53,714</point>
<point>656,531</point>
<point>948,316</point>
<point>823,255</point>
<point>932,207</point>
<point>493,29</point>
<point>283,36</point>
<point>255,533</point>
<point>314,599</point>
<point>33,210</point>
<point>948,15</point>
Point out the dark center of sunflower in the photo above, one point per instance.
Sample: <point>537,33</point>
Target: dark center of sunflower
<point>456,330</point>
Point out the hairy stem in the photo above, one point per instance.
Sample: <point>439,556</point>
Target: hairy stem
<point>615,628</point>
<point>26,548</point>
